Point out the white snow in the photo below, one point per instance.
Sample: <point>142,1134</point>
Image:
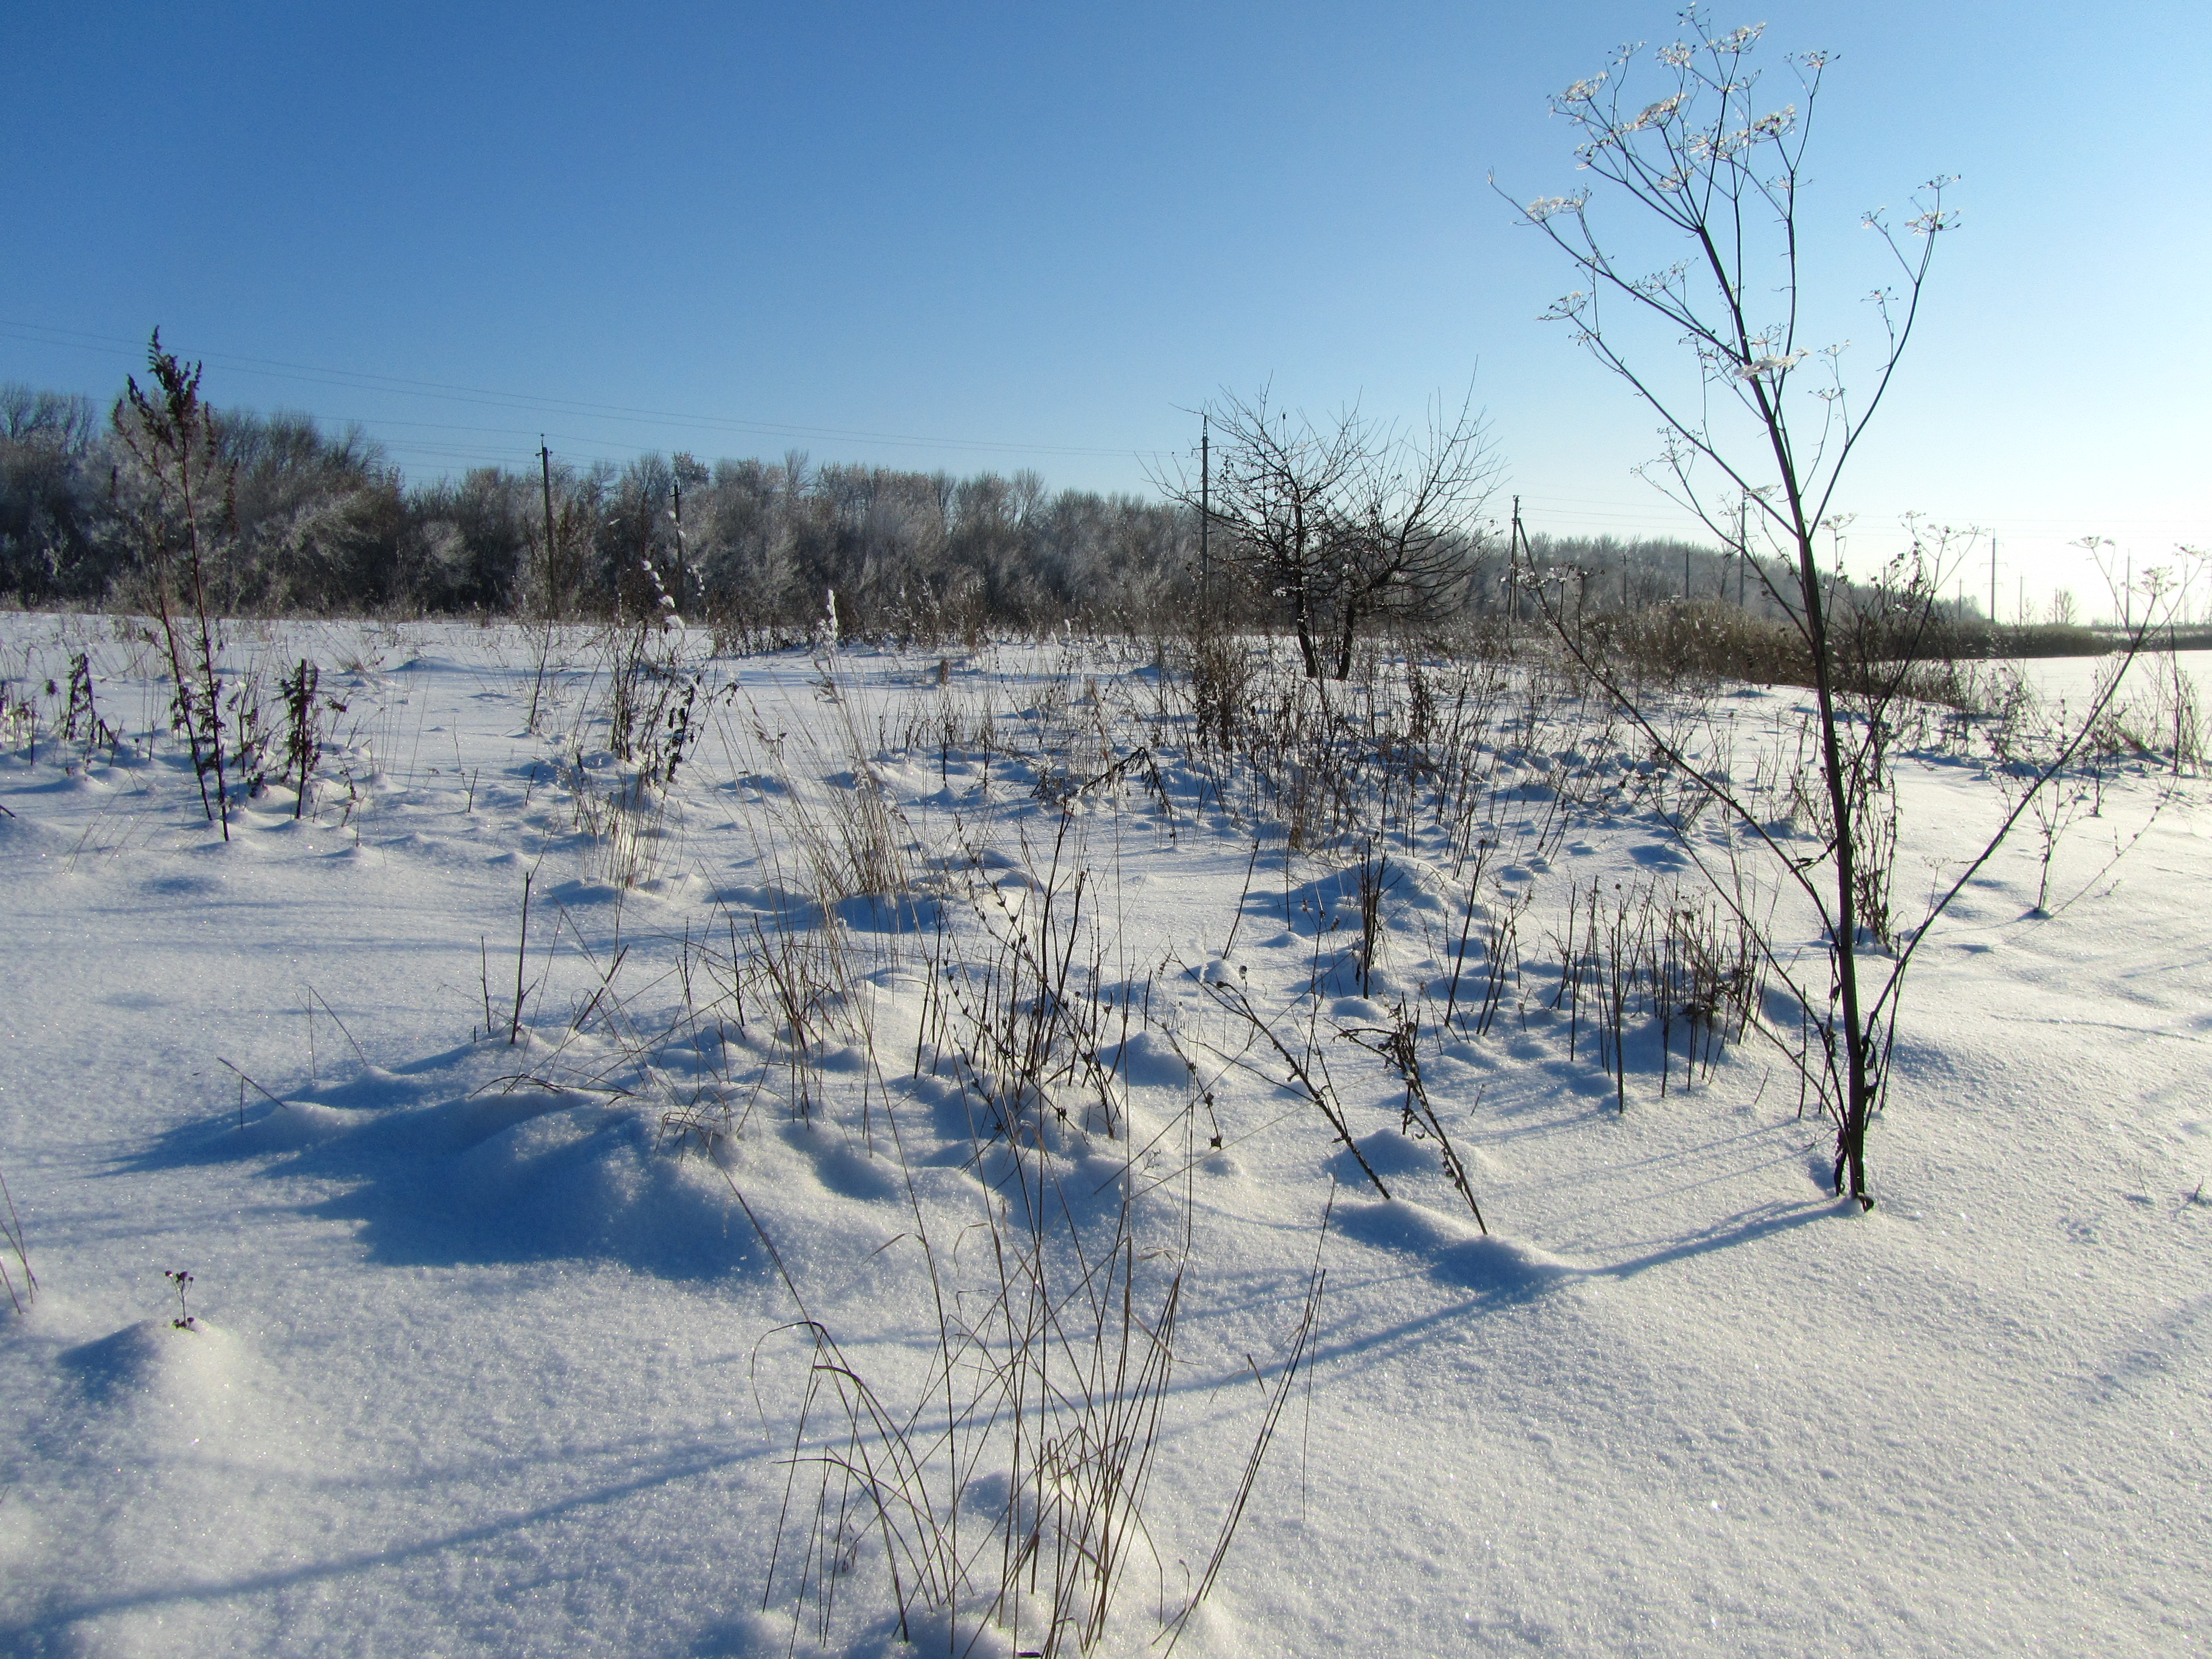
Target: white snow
<point>496,1346</point>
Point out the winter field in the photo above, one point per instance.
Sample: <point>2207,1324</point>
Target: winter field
<point>931,1153</point>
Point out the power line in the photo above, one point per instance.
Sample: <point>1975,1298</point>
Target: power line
<point>273,369</point>
<point>1585,514</point>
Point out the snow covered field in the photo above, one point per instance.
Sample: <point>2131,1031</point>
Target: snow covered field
<point>882,1095</point>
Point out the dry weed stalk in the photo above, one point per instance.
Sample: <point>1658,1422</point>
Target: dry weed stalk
<point>186,487</point>
<point>19,1297</point>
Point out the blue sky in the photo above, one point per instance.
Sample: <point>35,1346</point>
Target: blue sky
<point>1036,235</point>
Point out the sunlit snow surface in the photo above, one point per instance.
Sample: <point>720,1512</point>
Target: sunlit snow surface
<point>489,1358</point>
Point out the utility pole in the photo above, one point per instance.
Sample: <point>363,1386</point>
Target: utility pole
<point>1742,550</point>
<point>1513,556</point>
<point>1204,508</point>
<point>1993,581</point>
<point>683,574</point>
<point>1685,572</point>
<point>552,581</point>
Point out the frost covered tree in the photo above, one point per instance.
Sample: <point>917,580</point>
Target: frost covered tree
<point>58,537</point>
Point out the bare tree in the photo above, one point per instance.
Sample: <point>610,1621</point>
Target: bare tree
<point>1409,533</point>
<point>1275,498</point>
<point>1341,522</point>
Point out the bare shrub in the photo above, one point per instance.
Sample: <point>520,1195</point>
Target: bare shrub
<point>1704,639</point>
<point>183,499</point>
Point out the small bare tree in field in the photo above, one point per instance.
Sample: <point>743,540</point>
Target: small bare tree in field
<point>185,488</point>
<point>1407,538</point>
<point>1341,523</point>
<point>1274,493</point>
<point>1760,426</point>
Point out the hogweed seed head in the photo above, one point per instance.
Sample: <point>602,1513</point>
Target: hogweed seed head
<point>1545,206</point>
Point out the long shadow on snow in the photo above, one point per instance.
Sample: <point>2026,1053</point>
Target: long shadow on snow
<point>49,1628</point>
<point>1502,1273</point>
<point>1327,903</point>
<point>780,909</point>
<point>2166,1346</point>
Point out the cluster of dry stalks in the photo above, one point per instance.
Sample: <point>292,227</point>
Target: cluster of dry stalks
<point>1007,1481</point>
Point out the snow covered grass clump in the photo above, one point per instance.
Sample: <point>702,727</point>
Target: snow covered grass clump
<point>1065,1148</point>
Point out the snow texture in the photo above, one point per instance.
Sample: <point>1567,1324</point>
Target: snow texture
<point>496,1336</point>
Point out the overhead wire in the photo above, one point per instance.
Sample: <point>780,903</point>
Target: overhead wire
<point>391,385</point>
<point>1579,515</point>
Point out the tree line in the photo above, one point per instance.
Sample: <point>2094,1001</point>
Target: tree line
<point>313,521</point>
<point>309,520</point>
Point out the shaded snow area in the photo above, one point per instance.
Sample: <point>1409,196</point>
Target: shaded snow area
<point>1080,1146</point>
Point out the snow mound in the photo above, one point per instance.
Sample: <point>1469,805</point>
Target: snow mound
<point>1146,1060</point>
<point>1387,1153</point>
<point>534,1176</point>
<point>1457,1251</point>
<point>292,1125</point>
<point>880,912</point>
<point>156,1360</point>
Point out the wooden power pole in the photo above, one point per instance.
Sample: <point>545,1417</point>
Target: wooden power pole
<point>552,578</point>
<point>683,570</point>
<point>1205,508</point>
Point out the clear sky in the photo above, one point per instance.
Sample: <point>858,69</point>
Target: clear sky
<point>1005,235</point>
